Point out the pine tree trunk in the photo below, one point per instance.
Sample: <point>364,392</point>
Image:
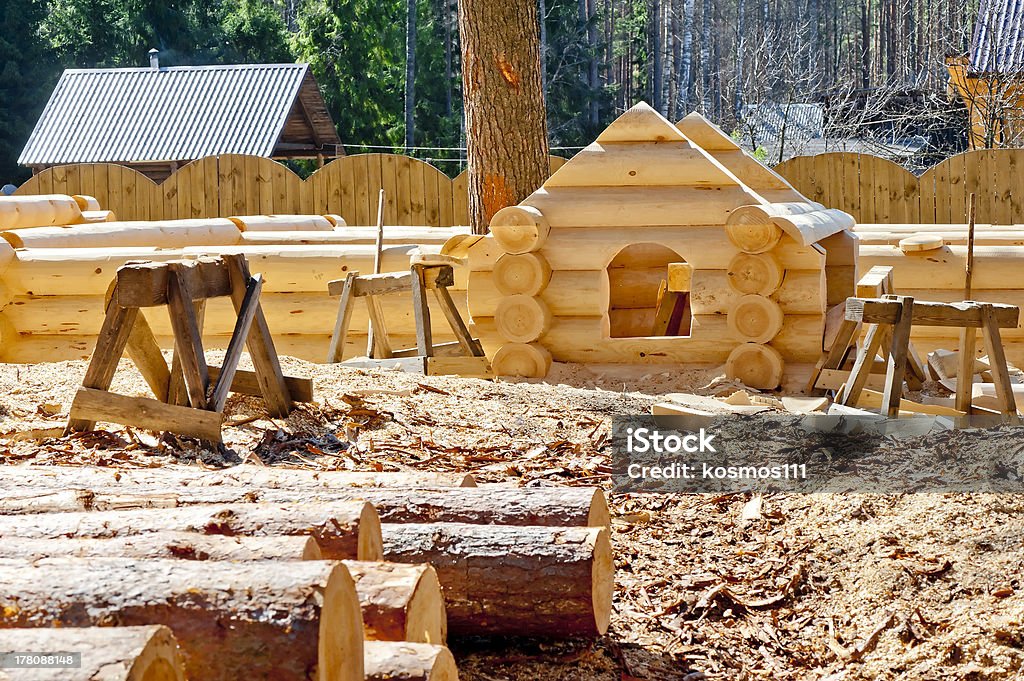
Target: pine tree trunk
<point>506,132</point>
<point>410,72</point>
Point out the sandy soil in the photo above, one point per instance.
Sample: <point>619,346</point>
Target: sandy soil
<point>843,586</point>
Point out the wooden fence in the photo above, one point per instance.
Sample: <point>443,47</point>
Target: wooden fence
<point>219,186</point>
<point>876,190</point>
<point>872,189</point>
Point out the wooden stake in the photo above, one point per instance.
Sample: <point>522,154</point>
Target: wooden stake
<point>370,341</point>
<point>970,248</point>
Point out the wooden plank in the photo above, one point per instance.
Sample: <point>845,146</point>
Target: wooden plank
<point>421,312</point>
<point>378,331</point>
<point>188,340</point>
<point>211,187</point>
<point>361,183</point>
<point>197,189</point>
<point>964,314</point>
<point>449,349</point>
<point>250,304</point>
<point>146,284</point>
<point>92,405</point>
<point>415,365</point>
<point>226,186</point>
<point>835,379</point>
<point>926,197</point>
<point>416,200</point>
<point>375,179</point>
<point>460,199</point>
<point>964,391</point>
<point>467,367</point>
<point>997,360</point>
<point>342,321</point>
<point>260,344</point>
<point>1014,173</point>
<point>347,186</point>
<point>876,283</point>
<point>246,383</point>
<point>280,203</point>
<point>451,313</point>
<point>403,194</point>
<point>862,366</point>
<point>101,178</point>
<point>144,351</point>
<point>334,188</point>
<point>836,355</point>
<point>896,365</point>
<point>264,180</point>
<point>1003,180</point>
<point>442,195</point>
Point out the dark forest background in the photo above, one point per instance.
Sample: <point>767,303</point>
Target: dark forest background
<point>876,68</point>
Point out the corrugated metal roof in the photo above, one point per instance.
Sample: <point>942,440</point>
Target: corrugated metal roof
<point>763,124</point>
<point>168,114</point>
<point>998,43</point>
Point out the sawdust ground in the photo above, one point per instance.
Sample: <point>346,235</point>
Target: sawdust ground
<point>851,586</point>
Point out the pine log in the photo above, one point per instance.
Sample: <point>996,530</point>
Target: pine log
<point>281,223</point>
<point>490,505</point>
<point>514,581</point>
<point>945,268</point>
<point>18,212</point>
<point>94,216</point>
<point>755,319</point>
<point>801,292</point>
<point>175,476</point>
<point>233,620</point>
<point>161,234</point>
<point>400,602</point>
<point>393,236</point>
<point>672,163</point>
<point>632,207</point>
<point>166,545</point>
<point>633,287</point>
<point>87,202</point>
<point>141,653</point>
<point>527,360</point>
<point>755,365</point>
<point>343,529</point>
<point>761,274</point>
<point>390,661</point>
<point>84,271</point>
<point>572,293</point>
<point>519,229</point>
<point>528,274</point>
<point>704,247</point>
<point>522,319</point>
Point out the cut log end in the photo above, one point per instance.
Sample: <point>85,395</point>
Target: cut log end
<point>599,515</point>
<point>528,273</point>
<point>527,360</point>
<point>371,546</point>
<point>394,661</point>
<point>340,642</point>
<point>522,319</point>
<point>755,319</point>
<point>519,229</point>
<point>760,274</point>
<point>753,237</point>
<point>400,602</point>
<point>142,653</point>
<point>758,366</point>
<point>603,578</point>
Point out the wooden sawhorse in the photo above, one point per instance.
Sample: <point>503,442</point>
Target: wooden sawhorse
<point>435,273</point>
<point>892,318</point>
<point>190,396</point>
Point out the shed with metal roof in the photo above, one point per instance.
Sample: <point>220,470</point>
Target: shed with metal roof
<point>158,118</point>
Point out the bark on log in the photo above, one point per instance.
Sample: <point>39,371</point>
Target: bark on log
<point>514,581</point>
<point>388,661</point>
<point>142,653</point>
<point>233,620</point>
<point>550,506</point>
<point>258,476</point>
<point>166,545</point>
<point>400,602</point>
<point>343,529</point>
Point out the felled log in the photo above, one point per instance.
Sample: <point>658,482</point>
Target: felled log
<point>400,602</point>
<point>161,233</point>
<point>356,235</point>
<point>166,545</point>
<point>530,360</point>
<point>233,620</point>
<point>142,653</point>
<point>514,581</point>
<point>589,293</point>
<point>389,661</point>
<point>343,529</point>
<point>259,476</point>
<point>546,506</point>
<point>279,223</point>
<point>87,202</point>
<point>17,212</point>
